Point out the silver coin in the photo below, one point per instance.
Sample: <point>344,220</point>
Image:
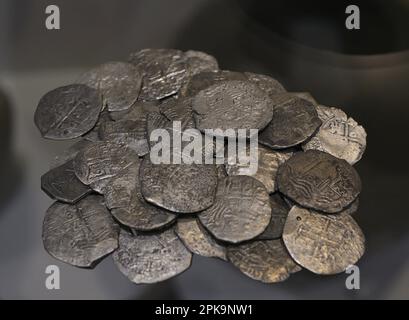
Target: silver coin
<point>183,188</point>
<point>317,180</point>
<point>268,162</point>
<point>151,258</point>
<point>232,105</point>
<point>338,135</point>
<point>241,210</point>
<point>198,61</point>
<point>323,244</point>
<point>164,72</point>
<point>306,96</point>
<point>123,197</point>
<point>179,109</point>
<point>68,112</point>
<point>267,261</point>
<point>93,135</point>
<point>80,234</point>
<point>198,240</point>
<point>70,153</point>
<point>118,82</point>
<point>99,163</point>
<point>265,83</point>
<point>294,121</point>
<point>138,111</point>
<point>62,184</point>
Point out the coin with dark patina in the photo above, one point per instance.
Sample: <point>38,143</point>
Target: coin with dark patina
<point>198,240</point>
<point>62,184</point>
<point>151,258</point>
<point>267,261</point>
<point>241,210</point>
<point>265,83</point>
<point>323,244</point>
<point>178,109</point>
<point>198,61</point>
<point>294,121</point>
<point>317,180</point>
<point>80,234</point>
<point>68,112</point>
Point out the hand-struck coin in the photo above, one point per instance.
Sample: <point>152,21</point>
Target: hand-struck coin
<point>68,112</point>
<point>338,135</point>
<point>198,62</point>
<point>70,153</point>
<point>265,83</point>
<point>267,261</point>
<point>323,244</point>
<point>198,240</point>
<point>151,258</point>
<point>317,180</point>
<point>241,210</point>
<point>80,234</point>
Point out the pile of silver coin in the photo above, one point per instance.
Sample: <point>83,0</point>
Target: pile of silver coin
<point>295,212</point>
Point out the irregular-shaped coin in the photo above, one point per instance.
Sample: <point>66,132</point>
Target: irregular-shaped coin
<point>151,258</point>
<point>317,180</point>
<point>80,234</point>
<point>338,135</point>
<point>294,121</point>
<point>68,112</point>
<point>70,153</point>
<point>323,244</point>
<point>138,111</point>
<point>179,109</point>
<point>265,83</point>
<point>306,96</point>
<point>118,82</point>
<point>62,184</point>
<point>198,240</point>
<point>198,61</point>
<point>241,210</point>
<point>267,261</point>
<point>93,135</point>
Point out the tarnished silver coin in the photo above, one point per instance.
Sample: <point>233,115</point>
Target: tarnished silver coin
<point>265,83</point>
<point>123,197</point>
<point>99,163</point>
<point>338,135</point>
<point>138,111</point>
<point>323,244</point>
<point>198,61</point>
<point>80,234</point>
<point>198,240</point>
<point>179,109</point>
<point>232,105</point>
<point>267,261</point>
<point>267,161</point>
<point>183,188</point>
<point>164,72</point>
<point>241,210</point>
<point>294,121</point>
<point>118,82</point>
<point>317,180</point>
<point>70,153</point>
<point>62,184</point>
<point>68,112</point>
<point>279,213</point>
<point>93,135</point>
<point>151,258</point>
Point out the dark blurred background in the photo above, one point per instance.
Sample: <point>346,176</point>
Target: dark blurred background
<point>304,44</point>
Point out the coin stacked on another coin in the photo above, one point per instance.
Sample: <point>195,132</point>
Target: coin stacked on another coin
<point>295,212</point>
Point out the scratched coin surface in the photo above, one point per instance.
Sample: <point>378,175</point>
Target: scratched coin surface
<point>266,161</point>
<point>99,163</point>
<point>265,83</point>
<point>241,210</point>
<point>80,234</point>
<point>323,244</point>
<point>338,135</point>
<point>198,240</point>
<point>317,180</point>
<point>62,184</point>
<point>179,109</point>
<point>294,121</point>
<point>68,112</point>
<point>123,197</point>
<point>164,71</point>
<point>183,188</point>
<point>118,82</point>
<point>151,258</point>
<point>232,105</point>
<point>69,153</point>
<point>267,261</point>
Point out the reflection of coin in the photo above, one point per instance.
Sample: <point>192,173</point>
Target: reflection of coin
<point>323,244</point>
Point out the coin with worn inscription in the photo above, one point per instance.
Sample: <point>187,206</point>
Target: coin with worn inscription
<point>68,112</point>
<point>178,109</point>
<point>241,210</point>
<point>80,234</point>
<point>323,244</point>
<point>317,180</point>
<point>151,258</point>
<point>62,184</point>
<point>338,135</point>
<point>198,240</point>
<point>267,261</point>
<point>265,83</point>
